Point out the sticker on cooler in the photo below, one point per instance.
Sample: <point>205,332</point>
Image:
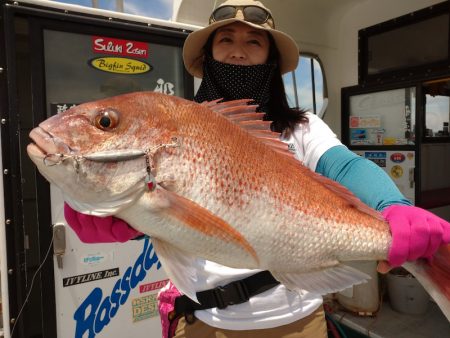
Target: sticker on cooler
<point>101,306</point>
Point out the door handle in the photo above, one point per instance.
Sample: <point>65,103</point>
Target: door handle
<point>59,243</point>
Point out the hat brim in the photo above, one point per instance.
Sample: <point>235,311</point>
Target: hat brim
<point>193,52</point>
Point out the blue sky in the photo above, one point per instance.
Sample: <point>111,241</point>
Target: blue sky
<point>161,9</point>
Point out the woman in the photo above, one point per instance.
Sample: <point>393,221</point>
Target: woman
<point>241,55</point>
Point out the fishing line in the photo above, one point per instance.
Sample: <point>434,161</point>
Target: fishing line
<point>108,156</point>
<point>32,283</point>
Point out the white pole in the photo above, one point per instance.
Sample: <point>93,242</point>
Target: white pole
<point>3,262</point>
<point>119,6</point>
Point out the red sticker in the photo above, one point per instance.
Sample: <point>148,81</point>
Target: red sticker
<point>397,157</point>
<point>106,45</point>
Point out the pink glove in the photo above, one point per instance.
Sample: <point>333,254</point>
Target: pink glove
<point>94,229</point>
<point>416,233</point>
<point>166,304</point>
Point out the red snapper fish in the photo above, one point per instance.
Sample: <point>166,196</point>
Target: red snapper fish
<point>212,181</point>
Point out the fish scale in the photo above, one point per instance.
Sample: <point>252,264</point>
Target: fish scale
<point>260,171</point>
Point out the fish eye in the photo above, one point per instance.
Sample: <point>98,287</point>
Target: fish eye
<point>106,119</point>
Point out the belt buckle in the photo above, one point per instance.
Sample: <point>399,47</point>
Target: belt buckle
<point>230,294</point>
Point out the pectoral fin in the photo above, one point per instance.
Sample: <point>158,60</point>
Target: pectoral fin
<point>200,219</point>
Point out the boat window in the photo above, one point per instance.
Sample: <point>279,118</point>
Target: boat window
<point>306,86</point>
<point>437,107</point>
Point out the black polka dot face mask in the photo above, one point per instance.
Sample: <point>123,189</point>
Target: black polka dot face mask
<point>233,82</point>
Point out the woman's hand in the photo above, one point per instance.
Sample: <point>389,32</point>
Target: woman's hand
<point>416,233</point>
<point>94,229</point>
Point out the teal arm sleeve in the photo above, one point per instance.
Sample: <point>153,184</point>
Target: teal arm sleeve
<point>361,176</point>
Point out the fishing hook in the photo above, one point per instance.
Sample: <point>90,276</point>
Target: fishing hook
<point>150,179</point>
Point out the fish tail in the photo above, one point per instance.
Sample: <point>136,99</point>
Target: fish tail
<point>439,270</point>
<point>434,275</point>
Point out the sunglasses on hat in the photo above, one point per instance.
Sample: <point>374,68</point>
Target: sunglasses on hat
<point>253,14</point>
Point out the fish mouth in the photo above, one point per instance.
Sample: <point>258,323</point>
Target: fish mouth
<point>45,144</point>
<point>34,151</point>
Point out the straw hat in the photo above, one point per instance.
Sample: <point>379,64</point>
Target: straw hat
<point>193,52</point>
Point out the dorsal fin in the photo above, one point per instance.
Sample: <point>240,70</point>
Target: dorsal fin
<point>255,124</point>
<point>246,117</point>
<point>237,111</point>
<point>211,104</point>
<point>265,134</point>
<point>217,106</point>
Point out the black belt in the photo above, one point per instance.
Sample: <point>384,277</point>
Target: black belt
<point>236,292</point>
